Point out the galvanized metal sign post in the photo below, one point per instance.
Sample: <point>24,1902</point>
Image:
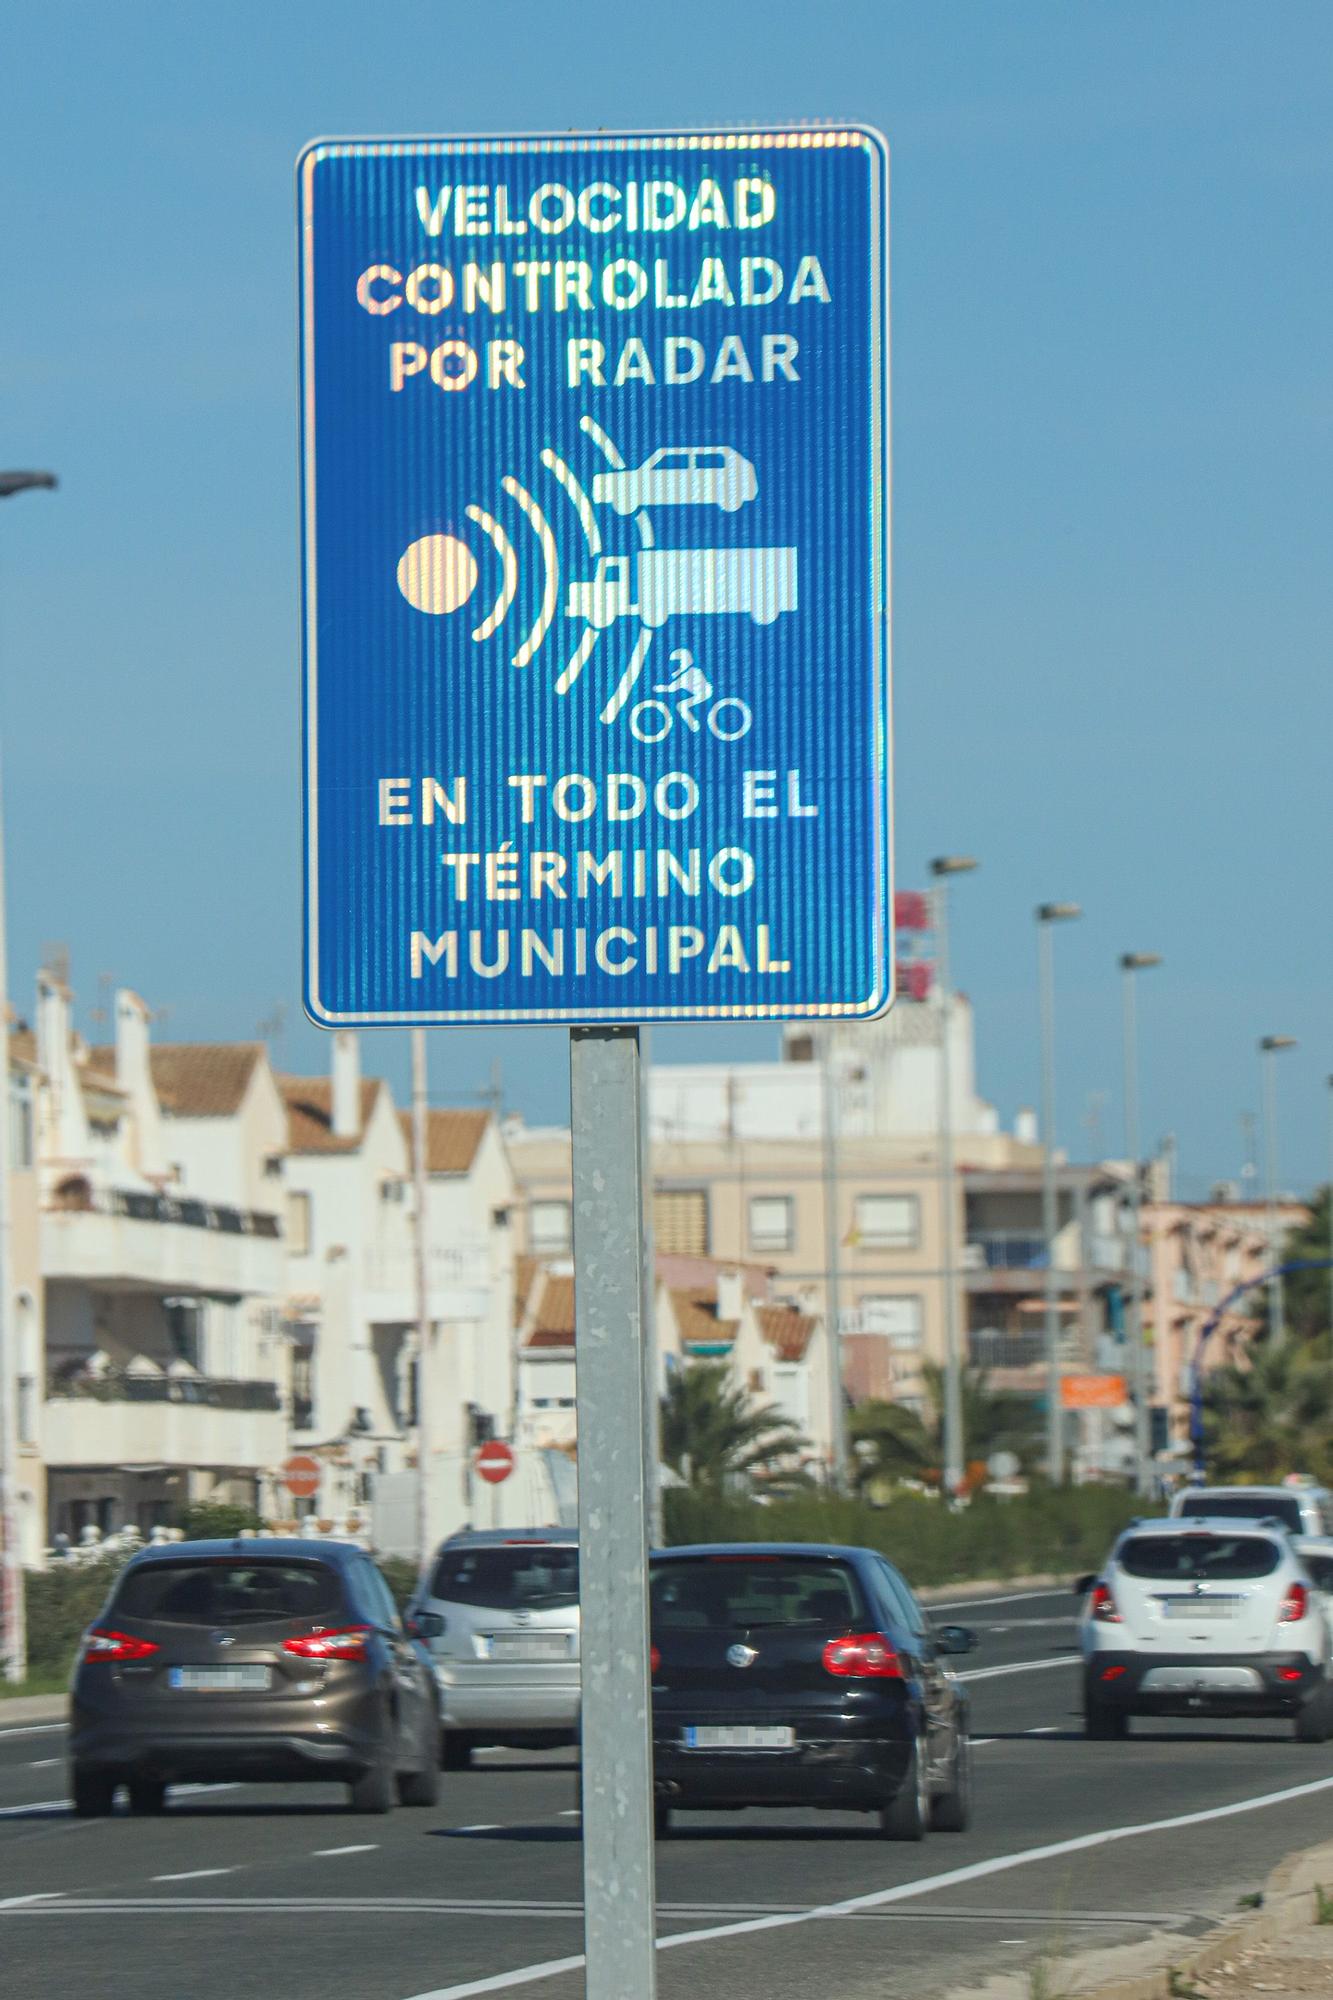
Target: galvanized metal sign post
<point>595,544</point>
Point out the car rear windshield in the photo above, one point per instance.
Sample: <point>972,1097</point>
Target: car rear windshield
<point>230,1593</point>
<point>1240,1507</point>
<point>1200,1557</point>
<point>732,1591</point>
<point>536,1577</point>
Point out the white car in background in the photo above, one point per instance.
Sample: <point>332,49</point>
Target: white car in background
<point>1303,1506</point>
<point>1206,1617</point>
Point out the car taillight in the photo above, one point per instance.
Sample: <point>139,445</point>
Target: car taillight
<point>1103,1606</point>
<point>344,1642</point>
<point>101,1643</point>
<point>655,1659</point>
<point>862,1656</point>
<point>1294,1605</point>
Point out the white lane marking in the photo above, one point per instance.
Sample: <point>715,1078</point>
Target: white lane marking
<point>394,1906</point>
<point>194,1874</point>
<point>1019,1667</point>
<point>571,1812</point>
<point>489,1826</point>
<point>926,1885</point>
<point>1043,1729</point>
<point>984,1603</point>
<point>33,1729</point>
<point>26,1902</point>
<point>37,1806</point>
<point>362,1847</point>
<point>44,1763</point>
<point>980,1742</point>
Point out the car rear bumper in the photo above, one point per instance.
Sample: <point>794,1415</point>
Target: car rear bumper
<point>838,1773</point>
<point>1195,1684</point>
<point>508,1711</point>
<point>189,1758</point>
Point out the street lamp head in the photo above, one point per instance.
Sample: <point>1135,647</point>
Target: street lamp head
<point>1139,961</point>
<point>1058,913</point>
<point>952,864</point>
<point>1273,1042</point>
<point>24,482</point>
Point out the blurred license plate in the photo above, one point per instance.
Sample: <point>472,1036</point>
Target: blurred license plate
<point>530,1645</point>
<point>1199,1607</point>
<point>219,1680</point>
<point>746,1736</point>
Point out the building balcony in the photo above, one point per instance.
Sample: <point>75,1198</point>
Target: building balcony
<point>124,1239</point>
<point>458,1283</point>
<point>186,1421</point>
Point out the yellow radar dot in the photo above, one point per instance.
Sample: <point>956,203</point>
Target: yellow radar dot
<point>437,574</point>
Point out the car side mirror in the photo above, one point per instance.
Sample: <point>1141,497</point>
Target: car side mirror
<point>955,1639</point>
<point>425,1625</point>
<point>1084,1585</point>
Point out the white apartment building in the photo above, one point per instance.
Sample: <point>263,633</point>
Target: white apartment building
<point>157,1176</point>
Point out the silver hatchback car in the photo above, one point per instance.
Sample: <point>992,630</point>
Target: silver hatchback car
<point>500,1614</point>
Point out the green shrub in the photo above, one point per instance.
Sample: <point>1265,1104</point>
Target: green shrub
<point>62,1602</point>
<point>215,1520</point>
<point>401,1576</point>
<point>1049,1530</point>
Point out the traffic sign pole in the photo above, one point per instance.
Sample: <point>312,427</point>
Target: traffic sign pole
<point>609,1296</point>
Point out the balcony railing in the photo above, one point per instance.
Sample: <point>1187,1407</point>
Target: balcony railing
<point>209,1392</point>
<point>185,1212</point>
<point>1007,1250</point>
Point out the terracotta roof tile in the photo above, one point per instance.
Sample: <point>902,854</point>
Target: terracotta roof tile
<point>553,1323</point>
<point>203,1079</point>
<point>452,1139</point>
<point>309,1101</point>
<point>696,1316</point>
<point>786,1331</point>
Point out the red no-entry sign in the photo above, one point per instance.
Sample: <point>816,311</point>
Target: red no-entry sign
<point>495,1462</point>
<point>301,1476</point>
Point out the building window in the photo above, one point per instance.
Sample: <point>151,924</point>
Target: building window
<point>680,1222</point>
<point>770,1222</point>
<point>185,1330</point>
<point>887,1221</point>
<point>298,1224</point>
<point>549,1229</point>
<point>899,1318</point>
<point>303,1388</point>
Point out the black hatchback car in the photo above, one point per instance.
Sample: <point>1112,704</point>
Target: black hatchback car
<point>804,1675</point>
<point>252,1660</point>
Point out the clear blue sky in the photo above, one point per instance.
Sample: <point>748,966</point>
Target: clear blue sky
<point>1111,295</point>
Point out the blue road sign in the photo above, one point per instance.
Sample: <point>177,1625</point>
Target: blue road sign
<point>595,549</point>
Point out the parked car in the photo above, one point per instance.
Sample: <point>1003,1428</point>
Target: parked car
<point>1304,1507</point>
<point>500,1614</point>
<point>266,1661</point>
<point>804,1675</point>
<point>693,476</point>
<point>1211,1616</point>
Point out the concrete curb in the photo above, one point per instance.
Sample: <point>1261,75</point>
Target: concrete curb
<point>1160,1966</point>
<point>24,1708</point>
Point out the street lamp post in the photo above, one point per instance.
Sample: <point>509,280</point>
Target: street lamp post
<point>13,1630</point>
<point>1132,962</point>
<point>1270,1046</point>
<point>1048,915</point>
<point>1330,1204</point>
<point>955,1444</point>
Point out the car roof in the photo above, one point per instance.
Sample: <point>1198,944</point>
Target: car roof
<point>260,1547</point>
<point>501,1538</point>
<point>1259,1492</point>
<point>819,1551</point>
<point>1203,1524</point>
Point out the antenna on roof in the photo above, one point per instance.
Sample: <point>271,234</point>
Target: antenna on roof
<point>270,1029</point>
<point>106,986</point>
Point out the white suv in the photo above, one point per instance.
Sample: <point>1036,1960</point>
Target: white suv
<point>1205,1617</point>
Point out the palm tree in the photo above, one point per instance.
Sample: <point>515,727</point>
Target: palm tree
<point>892,1441</point>
<point>1274,1415</point>
<point>718,1440</point>
<point>1305,1294</point>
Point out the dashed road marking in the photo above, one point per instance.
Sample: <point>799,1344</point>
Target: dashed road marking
<point>26,1902</point>
<point>193,1874</point>
<point>361,1847</point>
<point>530,1975</point>
<point>1017,1667</point>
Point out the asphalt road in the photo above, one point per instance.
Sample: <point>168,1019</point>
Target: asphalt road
<point>249,1891</point>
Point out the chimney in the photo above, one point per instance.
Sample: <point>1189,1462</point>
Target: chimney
<point>1025,1127</point>
<point>134,1074</point>
<point>730,1295</point>
<point>346,1085</point>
